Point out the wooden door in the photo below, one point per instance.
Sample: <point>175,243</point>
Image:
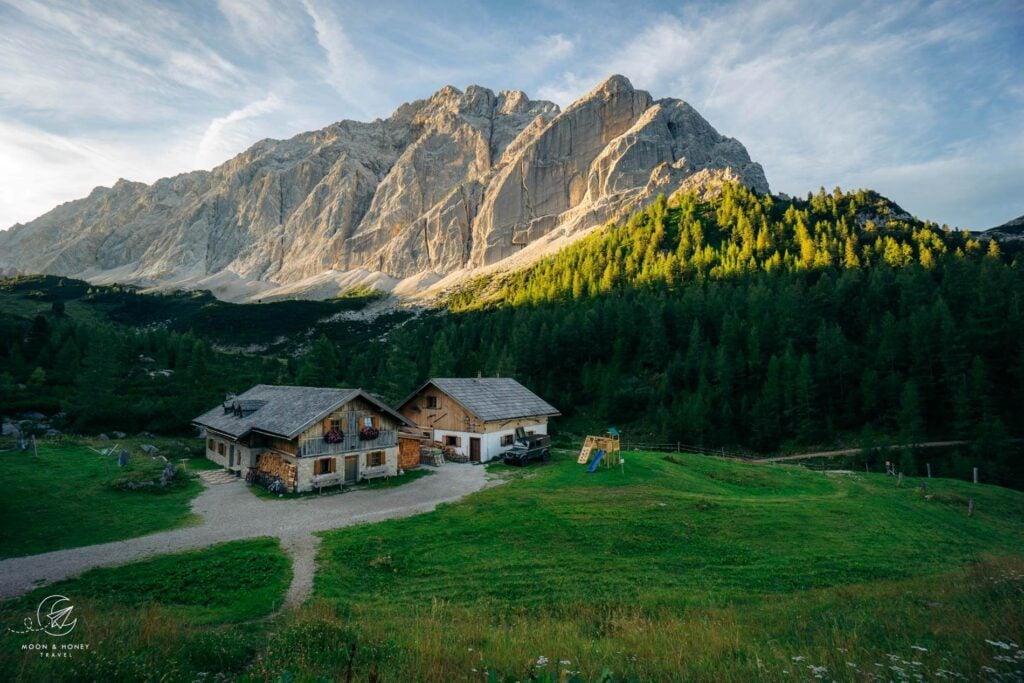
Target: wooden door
<point>474,449</point>
<point>351,464</point>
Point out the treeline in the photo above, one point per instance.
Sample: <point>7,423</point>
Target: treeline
<point>744,321</point>
<point>747,322</point>
<point>105,377</point>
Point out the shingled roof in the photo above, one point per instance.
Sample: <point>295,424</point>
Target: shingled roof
<point>281,410</point>
<point>492,398</point>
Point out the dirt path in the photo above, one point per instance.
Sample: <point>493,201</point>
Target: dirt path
<point>231,512</point>
<point>855,451</point>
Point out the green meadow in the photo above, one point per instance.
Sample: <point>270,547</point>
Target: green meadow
<point>677,567</point>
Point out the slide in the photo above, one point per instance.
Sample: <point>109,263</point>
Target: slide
<point>596,461</point>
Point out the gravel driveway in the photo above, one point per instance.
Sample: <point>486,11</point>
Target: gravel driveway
<point>230,512</point>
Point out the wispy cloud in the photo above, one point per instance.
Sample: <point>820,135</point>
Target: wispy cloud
<point>824,96</point>
<point>226,134</point>
<point>880,94</point>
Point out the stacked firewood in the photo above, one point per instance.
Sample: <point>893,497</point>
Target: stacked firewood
<point>431,456</point>
<point>275,466</point>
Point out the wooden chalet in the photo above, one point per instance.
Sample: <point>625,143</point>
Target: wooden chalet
<point>310,437</point>
<point>477,416</point>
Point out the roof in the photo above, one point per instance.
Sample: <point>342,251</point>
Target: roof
<point>282,410</point>
<point>491,398</point>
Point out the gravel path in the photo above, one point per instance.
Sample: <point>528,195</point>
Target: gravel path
<point>230,512</point>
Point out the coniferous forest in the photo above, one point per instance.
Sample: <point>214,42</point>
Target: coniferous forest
<point>745,322</point>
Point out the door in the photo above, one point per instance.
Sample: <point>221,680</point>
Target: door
<point>351,463</point>
<point>474,449</point>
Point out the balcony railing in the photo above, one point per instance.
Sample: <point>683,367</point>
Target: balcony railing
<point>316,445</point>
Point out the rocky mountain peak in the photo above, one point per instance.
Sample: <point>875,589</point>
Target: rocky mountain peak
<point>445,185</point>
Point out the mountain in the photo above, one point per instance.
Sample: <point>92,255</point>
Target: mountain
<point>1009,231</point>
<point>450,184</point>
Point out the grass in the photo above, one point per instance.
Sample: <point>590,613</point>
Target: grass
<point>69,496</point>
<point>689,564</point>
<point>159,618</point>
<point>682,568</point>
<point>373,484</point>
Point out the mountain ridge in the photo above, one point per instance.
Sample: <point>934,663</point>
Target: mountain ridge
<point>449,184</point>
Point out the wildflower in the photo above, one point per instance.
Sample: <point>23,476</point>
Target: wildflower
<point>542,661</point>
<point>798,658</point>
<point>564,662</point>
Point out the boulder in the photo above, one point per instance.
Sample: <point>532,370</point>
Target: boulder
<point>119,435</point>
<point>149,449</point>
<point>168,474</point>
<point>103,437</point>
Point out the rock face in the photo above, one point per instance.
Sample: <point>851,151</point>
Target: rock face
<point>453,182</point>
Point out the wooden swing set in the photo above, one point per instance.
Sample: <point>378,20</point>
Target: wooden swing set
<point>605,449</point>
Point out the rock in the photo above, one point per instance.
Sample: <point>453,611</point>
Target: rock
<point>51,433</point>
<point>123,458</point>
<point>149,449</point>
<point>103,437</point>
<point>146,435</point>
<point>168,474</point>
<point>119,435</point>
<point>33,416</point>
<point>9,429</point>
<point>457,181</point>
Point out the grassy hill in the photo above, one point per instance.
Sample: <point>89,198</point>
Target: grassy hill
<point>686,567</point>
<point>680,567</point>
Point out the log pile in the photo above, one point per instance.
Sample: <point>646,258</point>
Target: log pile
<point>450,454</point>
<point>272,465</point>
<point>431,456</point>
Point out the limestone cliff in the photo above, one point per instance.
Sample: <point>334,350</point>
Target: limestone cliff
<point>451,183</point>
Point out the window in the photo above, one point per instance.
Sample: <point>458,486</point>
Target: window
<point>336,423</point>
<point>530,432</point>
<point>507,439</point>
<point>431,401</point>
<point>371,421</point>
<point>375,459</point>
<point>210,444</point>
<point>220,448</point>
<point>452,441</point>
<point>426,433</point>
<point>325,466</point>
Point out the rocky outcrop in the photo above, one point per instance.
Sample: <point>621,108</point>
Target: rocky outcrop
<point>453,182</point>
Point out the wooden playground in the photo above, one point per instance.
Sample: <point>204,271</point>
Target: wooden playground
<point>606,451</point>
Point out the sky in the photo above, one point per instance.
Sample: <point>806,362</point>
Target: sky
<point>921,101</point>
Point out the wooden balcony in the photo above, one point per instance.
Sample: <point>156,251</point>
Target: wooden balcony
<point>315,446</point>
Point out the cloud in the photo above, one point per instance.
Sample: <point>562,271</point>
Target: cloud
<point>42,169</point>
<point>346,70</point>
<point>820,94</point>
<point>228,135</point>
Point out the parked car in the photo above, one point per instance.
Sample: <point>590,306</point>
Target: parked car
<point>528,447</point>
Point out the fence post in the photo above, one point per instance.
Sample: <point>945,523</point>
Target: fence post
<point>929,466</point>
<point>975,475</point>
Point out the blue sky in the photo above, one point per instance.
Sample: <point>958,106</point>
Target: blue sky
<point>923,101</point>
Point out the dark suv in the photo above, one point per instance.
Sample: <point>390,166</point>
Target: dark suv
<point>528,447</point>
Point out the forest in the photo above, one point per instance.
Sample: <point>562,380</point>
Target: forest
<point>741,321</point>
